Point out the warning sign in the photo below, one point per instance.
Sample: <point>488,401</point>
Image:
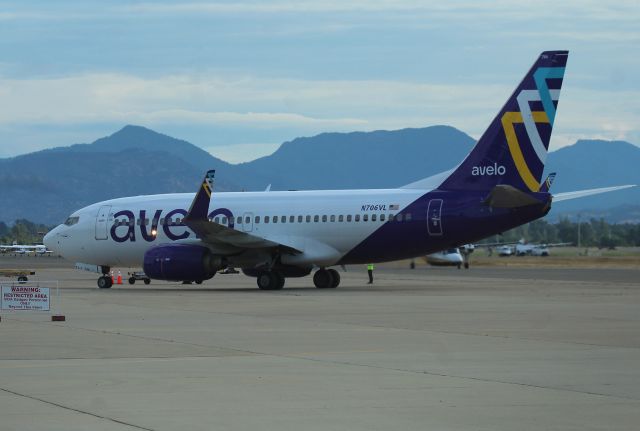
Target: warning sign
<point>17,297</point>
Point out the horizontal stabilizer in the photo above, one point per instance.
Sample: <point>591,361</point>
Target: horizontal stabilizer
<point>506,196</point>
<point>558,197</point>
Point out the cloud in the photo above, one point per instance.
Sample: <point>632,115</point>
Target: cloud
<point>251,106</point>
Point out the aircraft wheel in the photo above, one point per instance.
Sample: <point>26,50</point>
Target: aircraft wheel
<point>22,279</point>
<point>147,281</point>
<point>323,279</point>
<point>105,282</point>
<point>335,278</point>
<point>269,280</point>
<point>132,280</point>
<point>198,281</point>
<point>466,265</point>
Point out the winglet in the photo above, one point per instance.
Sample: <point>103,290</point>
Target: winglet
<point>200,205</point>
<point>546,185</point>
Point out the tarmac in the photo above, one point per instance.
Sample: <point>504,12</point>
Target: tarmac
<point>426,349</point>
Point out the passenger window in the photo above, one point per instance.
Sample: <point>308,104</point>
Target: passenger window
<point>316,218</point>
<point>349,217</point>
<point>332,218</point>
<point>247,219</point>
<point>217,220</point>
<point>238,220</point>
<point>224,220</point>
<point>399,217</point>
<point>382,216</point>
<point>257,219</point>
<point>408,217</point>
<point>308,219</point>
<point>373,217</point>
<point>340,218</point>
<point>324,219</point>
<point>283,219</point>
<point>275,219</point>
<point>161,221</point>
<point>138,221</point>
<point>357,217</point>
<point>266,219</point>
<point>365,217</point>
<point>292,219</point>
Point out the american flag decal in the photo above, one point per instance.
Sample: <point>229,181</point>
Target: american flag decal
<point>394,207</point>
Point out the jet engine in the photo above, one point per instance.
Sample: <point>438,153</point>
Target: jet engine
<point>179,262</point>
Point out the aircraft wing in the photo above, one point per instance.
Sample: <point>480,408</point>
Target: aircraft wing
<point>559,197</point>
<point>217,234</point>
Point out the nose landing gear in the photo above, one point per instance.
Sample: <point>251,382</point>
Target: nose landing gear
<point>105,281</point>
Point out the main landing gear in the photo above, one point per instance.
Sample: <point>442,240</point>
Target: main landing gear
<point>270,280</point>
<point>274,280</point>
<point>326,278</point>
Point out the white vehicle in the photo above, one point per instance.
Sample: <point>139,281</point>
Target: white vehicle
<point>505,250</point>
<point>276,235</point>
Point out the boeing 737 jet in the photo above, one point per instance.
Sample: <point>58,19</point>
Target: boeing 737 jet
<point>276,235</point>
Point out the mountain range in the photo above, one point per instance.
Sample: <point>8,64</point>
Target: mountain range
<point>46,186</point>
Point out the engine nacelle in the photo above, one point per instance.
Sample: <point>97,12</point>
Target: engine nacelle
<point>179,262</point>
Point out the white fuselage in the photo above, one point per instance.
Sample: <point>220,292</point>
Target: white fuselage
<point>324,224</point>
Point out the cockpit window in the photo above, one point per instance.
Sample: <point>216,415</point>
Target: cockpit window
<point>71,221</point>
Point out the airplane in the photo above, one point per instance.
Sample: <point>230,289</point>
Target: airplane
<point>281,234</point>
<point>24,249</point>
<point>448,257</point>
<point>456,256</point>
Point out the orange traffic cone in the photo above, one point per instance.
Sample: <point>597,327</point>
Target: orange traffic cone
<point>119,277</point>
<point>112,280</point>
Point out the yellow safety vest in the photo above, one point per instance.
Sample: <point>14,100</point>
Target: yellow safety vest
<point>370,267</point>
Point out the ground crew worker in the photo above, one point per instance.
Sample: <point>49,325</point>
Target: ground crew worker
<point>370,271</point>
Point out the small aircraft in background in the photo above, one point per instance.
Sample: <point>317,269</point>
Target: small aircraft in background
<point>457,256</point>
<point>24,249</point>
<point>448,257</point>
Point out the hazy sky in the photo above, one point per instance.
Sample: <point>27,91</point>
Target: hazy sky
<point>240,77</point>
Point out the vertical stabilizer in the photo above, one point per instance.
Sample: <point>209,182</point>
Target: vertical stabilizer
<point>513,150</point>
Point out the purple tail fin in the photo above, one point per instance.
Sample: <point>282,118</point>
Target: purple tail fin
<point>513,149</point>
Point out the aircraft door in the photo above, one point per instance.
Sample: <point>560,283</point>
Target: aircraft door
<point>102,220</point>
<point>247,222</point>
<point>434,217</point>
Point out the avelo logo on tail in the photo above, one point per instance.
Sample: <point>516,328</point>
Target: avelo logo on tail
<point>488,170</point>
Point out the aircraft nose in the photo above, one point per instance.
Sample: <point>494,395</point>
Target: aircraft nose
<point>52,240</point>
